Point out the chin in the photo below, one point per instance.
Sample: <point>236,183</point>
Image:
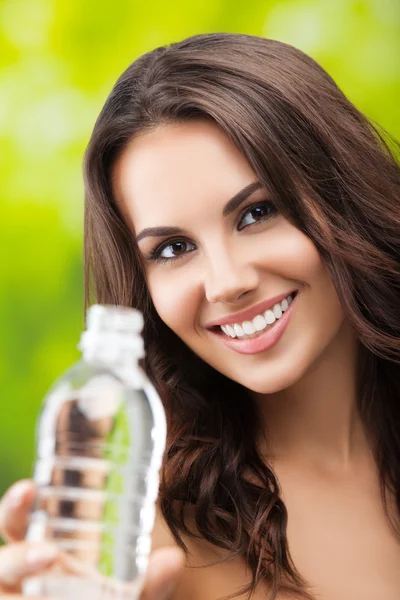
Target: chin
<point>263,388</point>
<point>270,385</point>
<point>260,387</point>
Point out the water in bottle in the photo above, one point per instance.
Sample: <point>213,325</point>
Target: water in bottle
<point>100,441</point>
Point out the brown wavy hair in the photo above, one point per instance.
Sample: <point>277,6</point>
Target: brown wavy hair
<point>335,176</point>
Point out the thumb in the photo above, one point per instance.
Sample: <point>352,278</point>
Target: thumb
<point>163,573</point>
<point>15,507</point>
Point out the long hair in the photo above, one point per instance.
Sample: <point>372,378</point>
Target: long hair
<point>335,176</point>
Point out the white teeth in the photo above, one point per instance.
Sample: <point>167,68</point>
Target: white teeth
<point>233,330</point>
<point>230,331</point>
<point>269,317</point>
<point>238,330</point>
<point>259,323</point>
<point>248,328</point>
<point>277,311</point>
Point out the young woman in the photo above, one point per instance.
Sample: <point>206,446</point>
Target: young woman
<point>251,212</point>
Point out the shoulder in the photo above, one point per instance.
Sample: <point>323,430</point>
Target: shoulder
<point>198,547</point>
<point>162,537</point>
<point>205,577</point>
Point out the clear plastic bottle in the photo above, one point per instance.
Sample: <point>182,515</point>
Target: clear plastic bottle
<point>100,442</point>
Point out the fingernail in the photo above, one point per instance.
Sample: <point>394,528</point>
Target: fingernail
<point>18,492</point>
<point>41,556</point>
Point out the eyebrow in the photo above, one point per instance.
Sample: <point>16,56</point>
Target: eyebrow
<point>232,205</point>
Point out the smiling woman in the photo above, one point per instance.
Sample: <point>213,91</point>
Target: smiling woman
<point>231,259</point>
<point>250,212</point>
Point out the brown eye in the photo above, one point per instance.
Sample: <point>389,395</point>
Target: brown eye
<point>258,212</point>
<point>178,245</point>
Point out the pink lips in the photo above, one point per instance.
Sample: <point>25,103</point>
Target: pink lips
<point>250,313</point>
<point>264,341</point>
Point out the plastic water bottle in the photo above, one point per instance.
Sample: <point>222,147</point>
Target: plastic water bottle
<point>100,442</point>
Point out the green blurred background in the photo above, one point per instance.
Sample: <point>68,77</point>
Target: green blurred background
<point>58,62</point>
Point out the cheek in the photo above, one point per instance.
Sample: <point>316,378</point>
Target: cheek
<point>296,254</point>
<point>173,297</point>
<point>320,304</point>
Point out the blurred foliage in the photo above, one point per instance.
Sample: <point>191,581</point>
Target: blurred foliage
<point>58,62</point>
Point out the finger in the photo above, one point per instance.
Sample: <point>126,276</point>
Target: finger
<point>21,559</point>
<point>164,571</point>
<point>14,510</point>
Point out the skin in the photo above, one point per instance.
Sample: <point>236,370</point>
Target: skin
<point>182,175</point>
<point>20,559</point>
<point>305,386</point>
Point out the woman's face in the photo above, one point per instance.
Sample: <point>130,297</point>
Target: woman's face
<point>182,176</point>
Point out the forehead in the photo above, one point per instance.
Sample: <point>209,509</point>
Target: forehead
<point>177,166</point>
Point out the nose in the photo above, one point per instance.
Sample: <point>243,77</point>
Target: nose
<point>228,278</point>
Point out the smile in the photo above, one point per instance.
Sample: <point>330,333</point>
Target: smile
<point>253,328</point>
<point>271,326</point>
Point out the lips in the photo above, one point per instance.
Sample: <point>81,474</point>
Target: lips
<point>248,315</point>
<point>268,338</point>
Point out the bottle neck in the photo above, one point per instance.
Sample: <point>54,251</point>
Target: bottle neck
<point>113,340</point>
<point>111,349</point>
<point>111,356</point>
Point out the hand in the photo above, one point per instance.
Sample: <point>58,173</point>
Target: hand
<point>20,559</point>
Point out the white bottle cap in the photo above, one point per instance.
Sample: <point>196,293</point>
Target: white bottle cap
<point>112,330</point>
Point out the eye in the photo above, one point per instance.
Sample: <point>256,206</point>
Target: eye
<point>258,212</point>
<point>156,255</point>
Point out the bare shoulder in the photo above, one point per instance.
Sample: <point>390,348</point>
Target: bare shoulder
<point>205,577</point>
<point>162,537</point>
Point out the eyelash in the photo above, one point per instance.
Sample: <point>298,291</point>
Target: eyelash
<point>155,254</point>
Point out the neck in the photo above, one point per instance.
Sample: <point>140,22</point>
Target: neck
<point>316,421</point>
